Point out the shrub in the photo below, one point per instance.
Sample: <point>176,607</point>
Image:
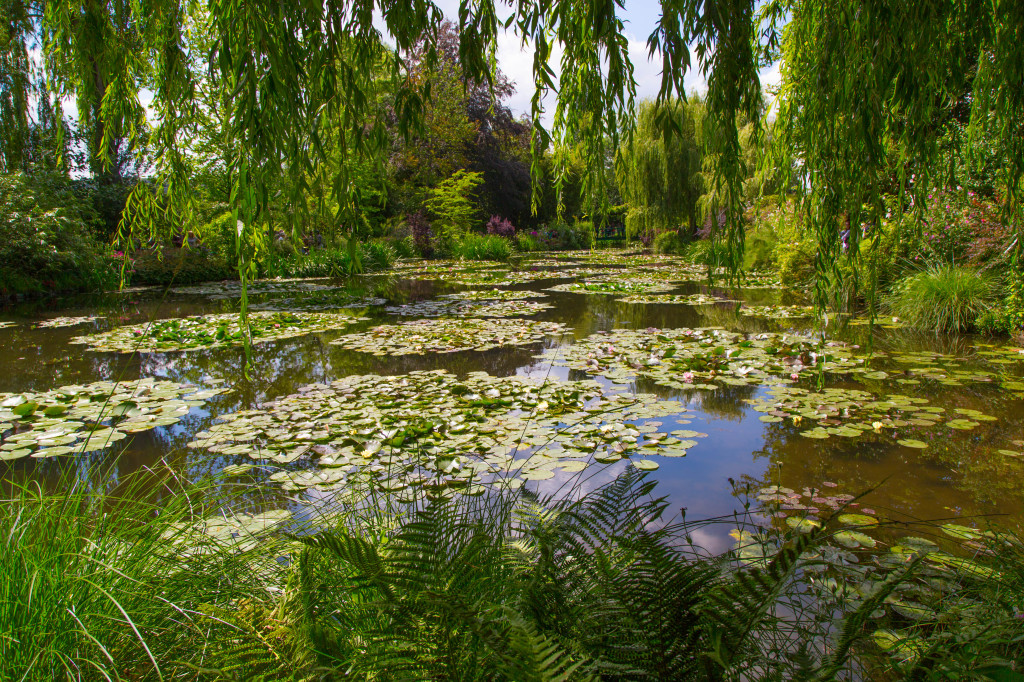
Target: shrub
<point>527,243</point>
<point>483,247</point>
<point>378,255</point>
<point>46,243</point>
<point>404,247</point>
<point>179,266</point>
<point>943,298</point>
<point>669,242</point>
<point>501,227</point>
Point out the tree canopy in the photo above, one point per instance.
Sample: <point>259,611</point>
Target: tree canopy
<point>867,88</point>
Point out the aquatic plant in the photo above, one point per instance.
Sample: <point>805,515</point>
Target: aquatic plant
<point>419,337</point>
<point>75,419</point>
<point>57,322</point>
<point>201,332</point>
<point>447,434</point>
<point>493,294</point>
<point>457,308</point>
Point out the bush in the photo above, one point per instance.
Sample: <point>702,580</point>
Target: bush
<point>943,298</point>
<point>377,256</point>
<point>527,243</point>
<point>500,227</point>
<point>46,243</point>
<point>180,267</point>
<point>483,247</point>
<point>669,243</point>
<point>705,252</point>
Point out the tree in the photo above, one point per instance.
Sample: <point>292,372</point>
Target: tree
<point>658,169</point>
<point>452,204</point>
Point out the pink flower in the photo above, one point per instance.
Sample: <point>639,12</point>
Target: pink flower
<point>794,376</point>
<point>688,377</point>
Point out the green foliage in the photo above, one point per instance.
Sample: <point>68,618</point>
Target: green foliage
<point>94,586</point>
<point>330,262</point>
<point>453,206</point>
<point>942,298</point>
<point>179,267</point>
<point>45,239</point>
<point>527,243</point>
<point>483,247</point>
<point>659,169</point>
<point>669,243</point>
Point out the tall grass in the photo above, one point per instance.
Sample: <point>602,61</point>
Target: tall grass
<point>486,247</point>
<point>505,586</point>
<point>943,298</point>
<point>98,587</point>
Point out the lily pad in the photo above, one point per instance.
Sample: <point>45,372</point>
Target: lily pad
<point>420,337</point>
<point>212,331</point>
<point>84,418</point>
<point>55,322</point>
<point>511,308</point>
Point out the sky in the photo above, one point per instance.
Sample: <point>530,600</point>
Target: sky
<point>640,18</point>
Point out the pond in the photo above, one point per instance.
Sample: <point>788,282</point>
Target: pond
<point>556,373</point>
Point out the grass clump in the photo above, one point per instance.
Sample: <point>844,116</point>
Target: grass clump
<point>943,298</point>
<point>484,247</point>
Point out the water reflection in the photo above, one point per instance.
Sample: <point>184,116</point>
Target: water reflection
<point>960,473</point>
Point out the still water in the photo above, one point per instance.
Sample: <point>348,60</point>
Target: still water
<point>961,474</point>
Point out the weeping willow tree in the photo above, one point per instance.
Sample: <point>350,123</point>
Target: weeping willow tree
<point>865,85</point>
<point>658,169</point>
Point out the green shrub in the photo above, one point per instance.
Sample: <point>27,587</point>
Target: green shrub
<point>943,298</point>
<point>378,255</point>
<point>483,247</point>
<point>179,267</point>
<point>46,243</point>
<point>527,243</point>
<point>669,243</point>
<point>705,252</point>
<point>404,247</point>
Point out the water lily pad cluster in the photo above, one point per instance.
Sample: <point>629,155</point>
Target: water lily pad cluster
<point>442,432</point>
<point>609,286</point>
<point>778,312</point>
<point>495,278</point>
<point>213,331</point>
<point>677,299</point>
<point>319,300</point>
<point>468,308</point>
<point>701,358</point>
<point>56,322</point>
<point>85,418</point>
<point>493,295</point>
<point>5,325</point>
<point>953,370</point>
<point>852,413</point>
<point>443,335</point>
<point>231,289</point>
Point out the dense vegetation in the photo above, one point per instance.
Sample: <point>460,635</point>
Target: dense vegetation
<point>240,141</point>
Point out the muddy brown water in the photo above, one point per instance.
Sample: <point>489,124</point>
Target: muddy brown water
<point>960,476</point>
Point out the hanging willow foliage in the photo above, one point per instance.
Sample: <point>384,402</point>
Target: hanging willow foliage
<point>866,87</point>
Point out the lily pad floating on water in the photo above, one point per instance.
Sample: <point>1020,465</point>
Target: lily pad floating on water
<point>319,300</point>
<point>90,417</point>
<point>212,331</point>
<point>419,337</point>
<point>493,295</point>
<point>510,308</point>
<point>702,358</point>
<point>612,286</point>
<point>5,325</point>
<point>849,412</point>
<point>55,322</point>
<point>678,299</point>
<point>406,430</point>
<point>231,289</point>
<point>778,312</point>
